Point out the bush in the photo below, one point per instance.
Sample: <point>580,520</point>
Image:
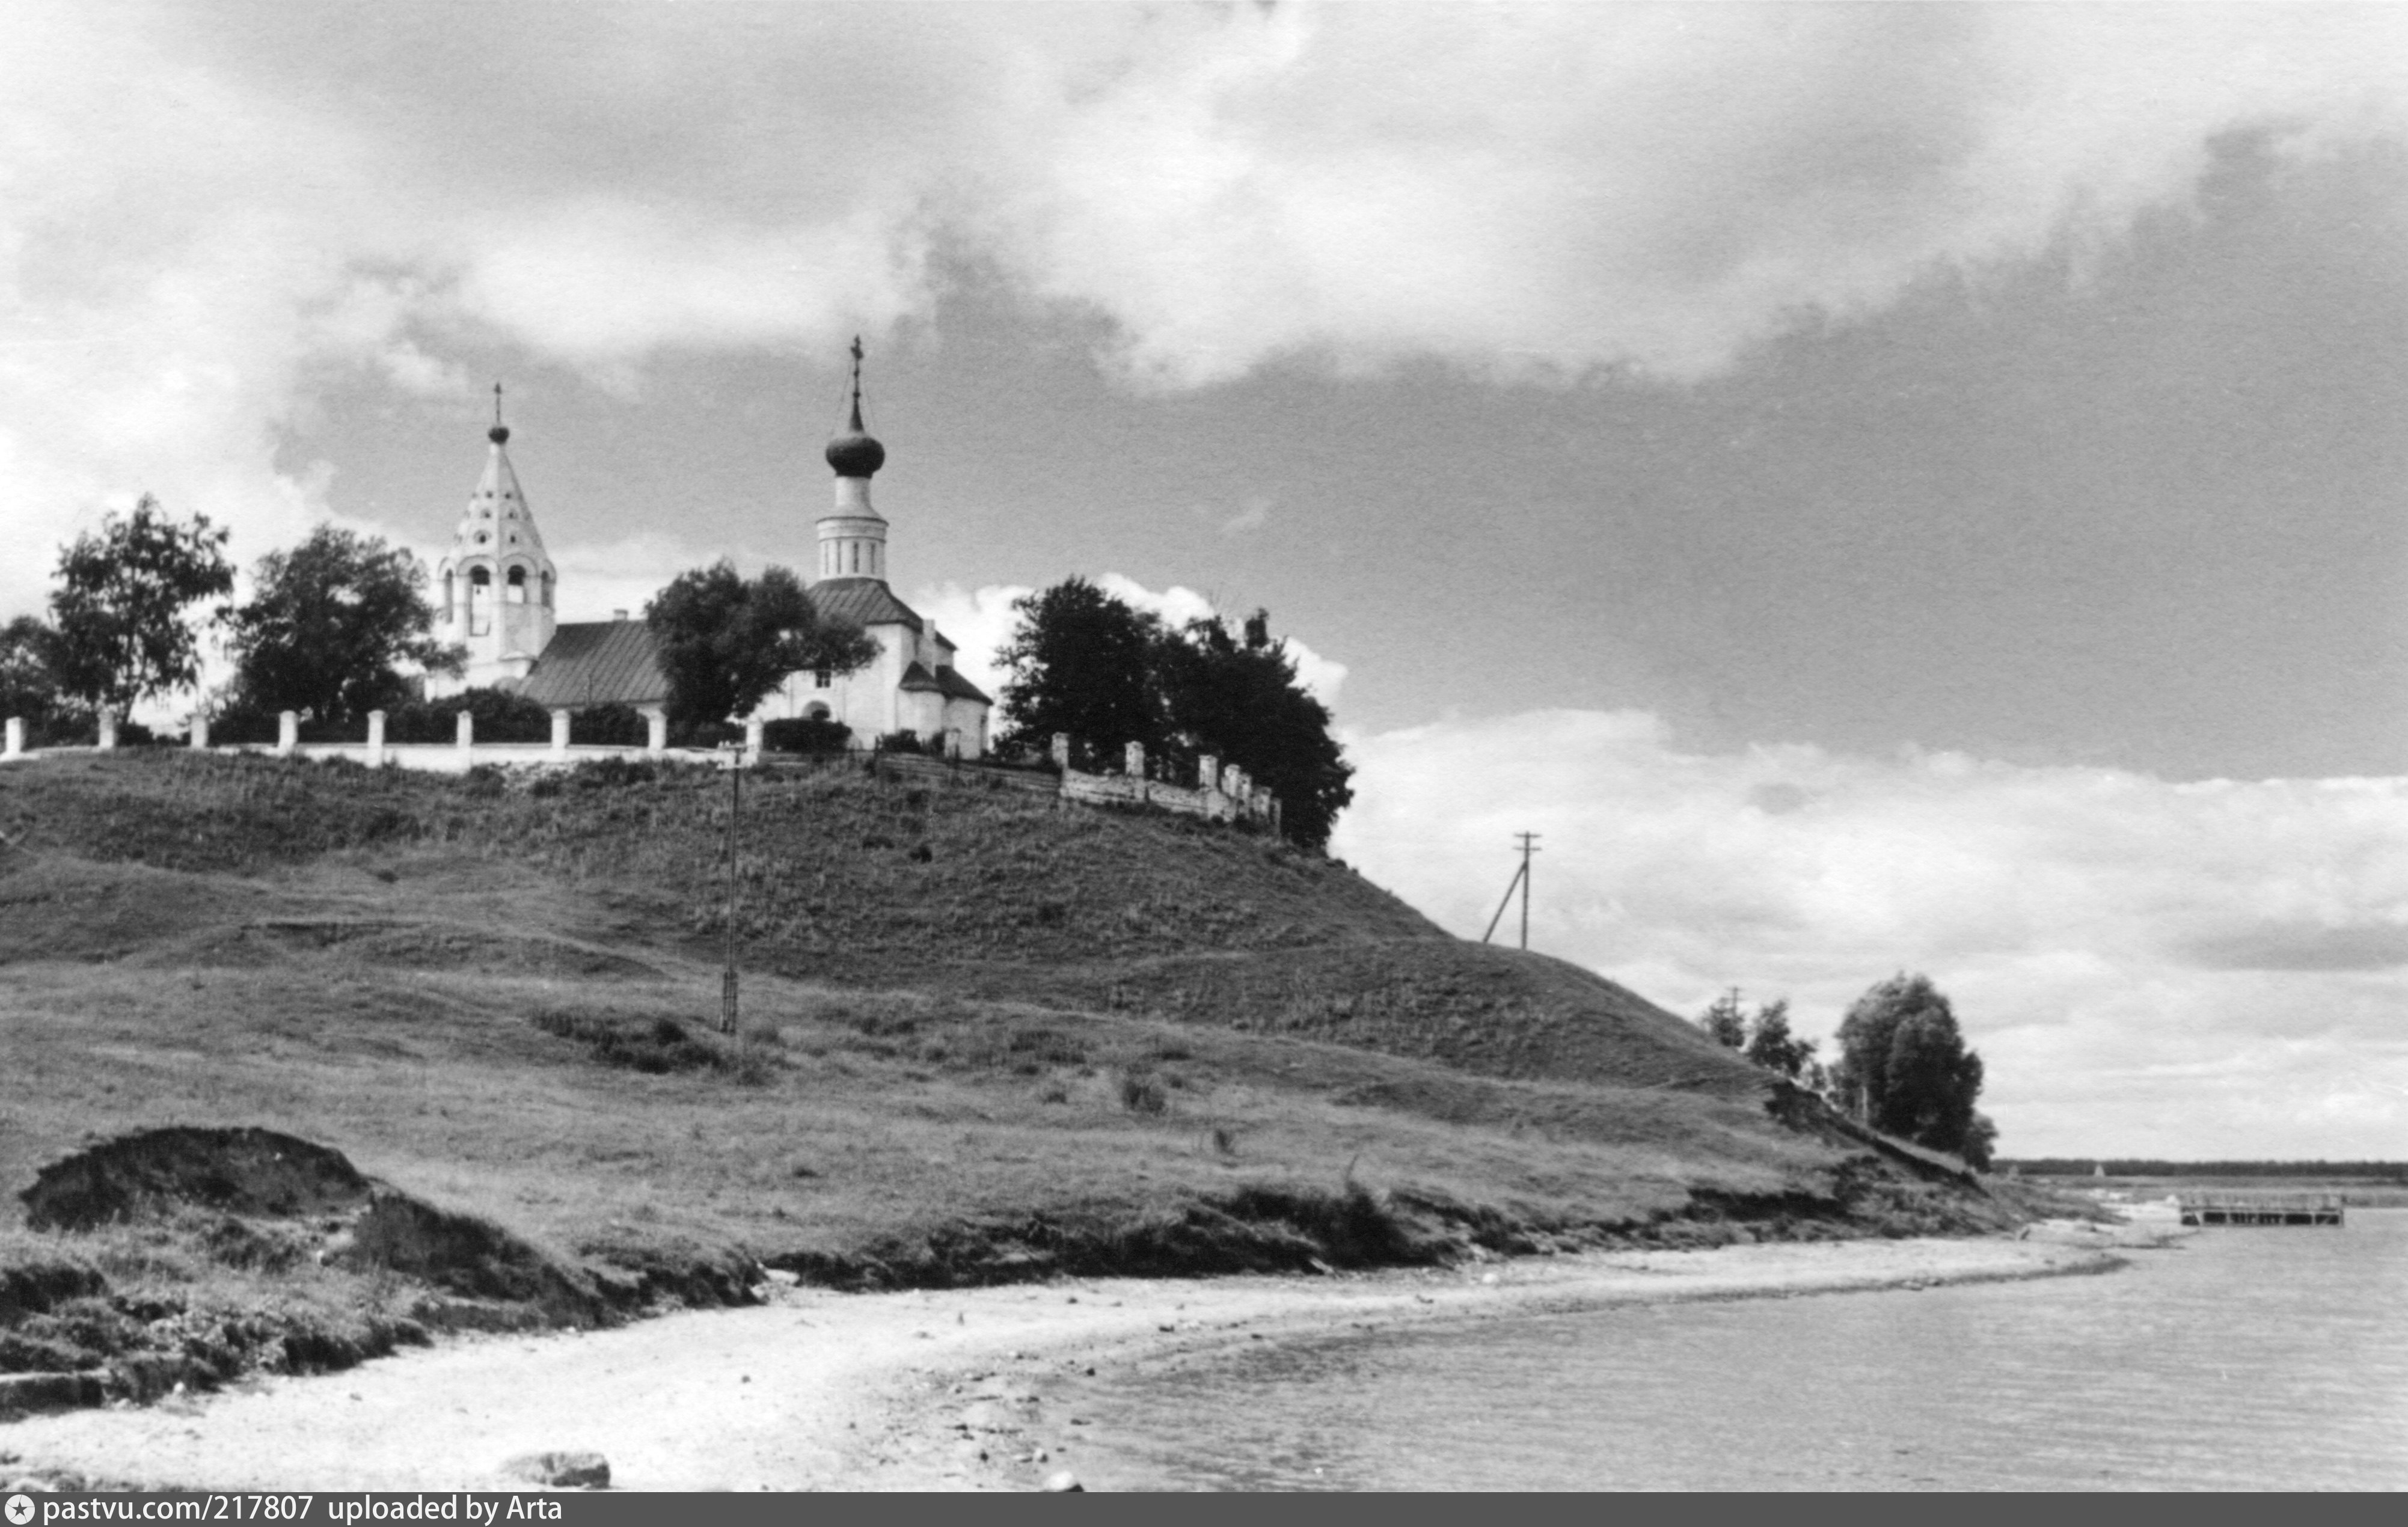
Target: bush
<point>705,733</point>
<point>608,726</point>
<point>500,716</point>
<point>657,1047</point>
<point>806,735</point>
<point>1141,1093</point>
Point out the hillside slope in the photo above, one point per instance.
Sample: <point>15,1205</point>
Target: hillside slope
<point>841,877</point>
<point>986,1038</point>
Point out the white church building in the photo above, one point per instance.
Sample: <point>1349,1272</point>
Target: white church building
<point>495,590</point>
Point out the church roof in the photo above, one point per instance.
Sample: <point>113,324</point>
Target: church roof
<point>862,601</point>
<point>957,688</point>
<point>917,677</point>
<point>598,662</point>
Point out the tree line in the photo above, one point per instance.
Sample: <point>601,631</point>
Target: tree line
<point>340,625</point>
<point>1904,1067</point>
<point>1089,665</point>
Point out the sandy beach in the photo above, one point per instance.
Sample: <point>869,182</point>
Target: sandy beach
<point>941,1390</point>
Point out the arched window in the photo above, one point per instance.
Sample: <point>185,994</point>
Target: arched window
<point>547,587</point>
<point>516,578</point>
<point>817,713</point>
<point>481,601</point>
<point>450,598</point>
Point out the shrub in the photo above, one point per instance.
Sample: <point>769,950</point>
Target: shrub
<point>499,716</point>
<point>609,773</point>
<point>655,1048</point>
<point>806,735</point>
<point>608,726</point>
<point>1141,1093</point>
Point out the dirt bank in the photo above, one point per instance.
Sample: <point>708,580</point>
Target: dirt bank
<point>819,1390</point>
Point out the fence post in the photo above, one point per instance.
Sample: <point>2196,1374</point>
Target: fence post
<point>656,729</point>
<point>468,734</point>
<point>1062,752</point>
<point>560,734</point>
<point>1207,773</point>
<point>200,731</point>
<point>288,733</point>
<point>107,730</point>
<point>756,729</point>
<point>16,738</point>
<point>375,738</point>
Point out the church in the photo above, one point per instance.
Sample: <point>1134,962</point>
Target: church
<point>495,590</point>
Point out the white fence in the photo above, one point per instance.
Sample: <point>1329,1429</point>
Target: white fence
<point>1222,792</point>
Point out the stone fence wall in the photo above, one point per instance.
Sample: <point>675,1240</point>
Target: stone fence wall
<point>1222,792</point>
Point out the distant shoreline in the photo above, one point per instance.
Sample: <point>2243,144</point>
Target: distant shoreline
<point>825,1390</point>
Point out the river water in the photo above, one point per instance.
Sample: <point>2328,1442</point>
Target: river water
<point>2238,1358</point>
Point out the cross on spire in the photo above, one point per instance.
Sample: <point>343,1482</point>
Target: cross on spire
<point>500,432</point>
<point>856,384</point>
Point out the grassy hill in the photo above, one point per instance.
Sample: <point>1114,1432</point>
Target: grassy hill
<point>986,1036</point>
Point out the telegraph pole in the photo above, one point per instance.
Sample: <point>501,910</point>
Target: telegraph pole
<point>1530,841</point>
<point>727,978</point>
<point>1521,881</point>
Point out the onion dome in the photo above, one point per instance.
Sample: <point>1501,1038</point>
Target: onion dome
<point>856,453</point>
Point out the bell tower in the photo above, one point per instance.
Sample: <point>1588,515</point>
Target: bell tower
<point>852,537</point>
<point>494,590</point>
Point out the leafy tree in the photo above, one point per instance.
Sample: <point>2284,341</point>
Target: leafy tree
<point>1082,661</point>
<point>1771,1046</point>
<point>1725,1021</point>
<point>1086,662</point>
<point>329,625</point>
<point>29,685</point>
<point>120,608</point>
<point>1904,1069</point>
<point>725,642</point>
<point>1241,700</point>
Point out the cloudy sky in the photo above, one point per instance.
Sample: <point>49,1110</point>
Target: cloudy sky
<point>1877,487</point>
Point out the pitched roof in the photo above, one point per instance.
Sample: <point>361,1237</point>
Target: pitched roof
<point>956,687</point>
<point>862,601</point>
<point>597,663</point>
<point>917,677</point>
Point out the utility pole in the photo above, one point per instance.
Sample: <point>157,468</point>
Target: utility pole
<point>727,978</point>
<point>1521,880</point>
<point>1530,841</point>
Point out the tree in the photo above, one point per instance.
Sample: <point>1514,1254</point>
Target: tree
<point>1904,1069</point>
<point>1082,661</point>
<point>29,685</point>
<point>329,625</point>
<point>1726,1022</point>
<point>725,642</point>
<point>1771,1046</point>
<point>120,607</point>
<point>1241,702</point>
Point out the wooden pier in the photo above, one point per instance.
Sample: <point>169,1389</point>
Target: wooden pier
<point>2262,1208</point>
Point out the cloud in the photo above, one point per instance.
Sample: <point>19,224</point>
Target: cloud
<point>2149,968</point>
<point>978,621</point>
<point>1256,515</point>
<point>211,209</point>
